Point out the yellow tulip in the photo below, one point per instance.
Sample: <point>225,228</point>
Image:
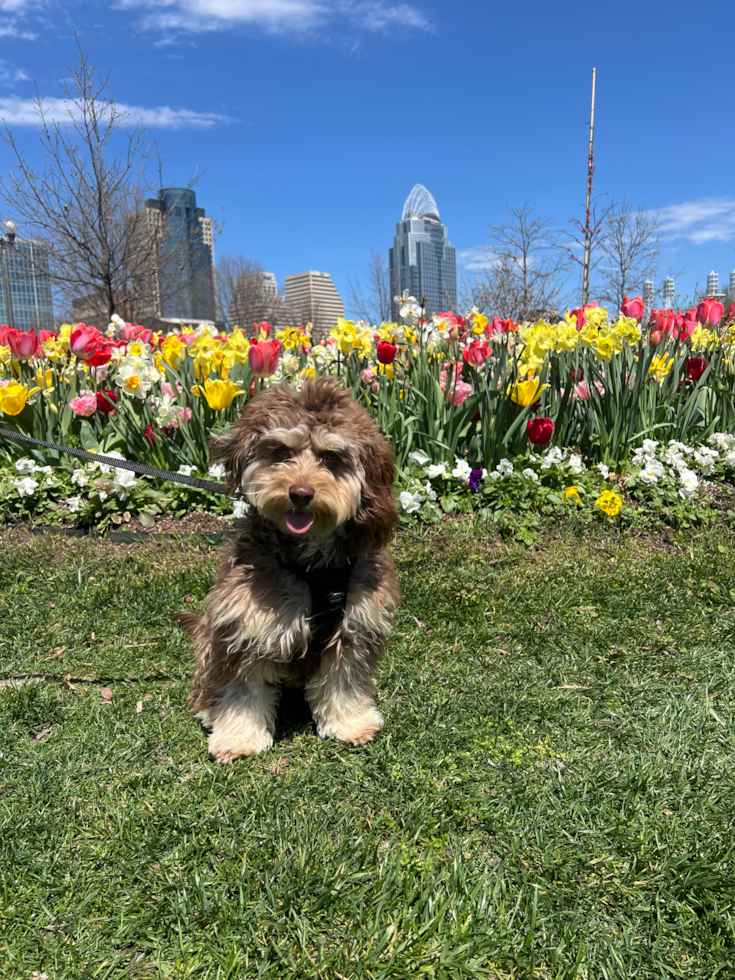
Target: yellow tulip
<point>13,397</point>
<point>219,394</point>
<point>526,392</point>
<point>45,378</point>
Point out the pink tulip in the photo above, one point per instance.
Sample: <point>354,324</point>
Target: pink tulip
<point>84,405</point>
<point>633,308</point>
<point>459,390</point>
<point>85,341</point>
<point>664,321</point>
<point>686,323</point>
<point>367,376</point>
<point>710,312</point>
<point>22,343</point>
<point>583,393</point>
<point>581,318</point>
<point>263,357</point>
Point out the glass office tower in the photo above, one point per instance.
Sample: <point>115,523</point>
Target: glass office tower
<point>25,284</point>
<point>422,259</point>
<point>186,256</point>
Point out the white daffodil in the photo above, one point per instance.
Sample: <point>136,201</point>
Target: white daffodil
<point>437,469</point>
<point>530,474</point>
<point>167,411</point>
<point>217,471</point>
<point>410,502</point>
<point>136,376</point>
<point>25,487</point>
<point>73,503</point>
<point>419,458</point>
<point>410,311</point>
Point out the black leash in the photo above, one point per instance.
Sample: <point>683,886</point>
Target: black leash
<point>123,464</point>
<point>328,587</point>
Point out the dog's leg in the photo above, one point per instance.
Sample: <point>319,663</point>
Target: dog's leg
<point>341,697</point>
<point>243,716</point>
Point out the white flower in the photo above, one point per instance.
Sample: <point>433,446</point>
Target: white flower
<point>124,478</point>
<point>430,491</point>
<point>410,502</point>
<point>167,411</point>
<point>552,457</point>
<point>679,447</point>
<point>461,470</point>
<point>721,439</point>
<point>115,326</point>
<point>419,458</point>
<point>80,478</point>
<point>689,484</point>
<point>240,508</point>
<point>102,495</point>
<point>437,469</point>
<point>114,454</point>
<point>640,458</point>
<point>25,487</point>
<point>730,458</point>
<point>603,470</point>
<point>25,465</point>
<point>410,312</point>
<point>504,468</point>
<point>575,464</point>
<point>217,471</point>
<point>673,458</point>
<point>530,475</point>
<point>649,446</point>
<point>651,472</point>
<point>136,376</point>
<point>706,458</point>
<point>186,470</point>
<point>73,503</point>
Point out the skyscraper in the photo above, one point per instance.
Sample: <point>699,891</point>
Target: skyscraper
<point>183,282</point>
<point>313,298</point>
<point>713,284</point>
<point>255,298</point>
<point>668,292</point>
<point>422,259</point>
<point>25,284</point>
<point>647,300</point>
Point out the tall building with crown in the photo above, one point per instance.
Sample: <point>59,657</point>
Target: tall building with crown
<point>422,259</point>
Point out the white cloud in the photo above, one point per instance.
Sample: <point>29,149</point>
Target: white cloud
<point>274,16</point>
<point>9,75</point>
<point>10,30</point>
<point>18,111</point>
<point>12,6</point>
<point>476,259</point>
<point>705,220</point>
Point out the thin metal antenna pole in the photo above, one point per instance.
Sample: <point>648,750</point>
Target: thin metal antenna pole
<point>587,227</point>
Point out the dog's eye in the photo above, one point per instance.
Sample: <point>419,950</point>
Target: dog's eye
<point>281,452</point>
<point>331,456</point>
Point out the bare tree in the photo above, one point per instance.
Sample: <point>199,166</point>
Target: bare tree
<point>86,206</point>
<point>629,250</point>
<point>524,276</point>
<point>373,301</point>
<point>589,232</point>
<point>246,294</point>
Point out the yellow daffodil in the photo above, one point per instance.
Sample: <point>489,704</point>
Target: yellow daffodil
<point>13,397</point>
<point>160,361</point>
<point>345,335</point>
<point>386,331</point>
<point>479,323</point>
<point>595,316</point>
<point>218,394</point>
<point>173,351</point>
<point>45,378</point>
<point>6,355</point>
<point>702,337</point>
<point>571,495</point>
<point>605,348</point>
<point>54,349</point>
<point>236,348</point>
<point>609,503</point>
<point>65,334</point>
<point>410,336</point>
<point>525,393</point>
<point>660,367</point>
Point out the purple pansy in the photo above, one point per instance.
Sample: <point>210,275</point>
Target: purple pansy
<point>476,478</point>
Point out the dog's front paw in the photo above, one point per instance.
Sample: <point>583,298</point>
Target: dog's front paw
<point>224,747</point>
<point>354,730</point>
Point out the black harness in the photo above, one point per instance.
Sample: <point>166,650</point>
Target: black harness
<point>328,587</point>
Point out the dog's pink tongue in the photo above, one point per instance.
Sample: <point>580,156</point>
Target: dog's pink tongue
<point>299,523</point>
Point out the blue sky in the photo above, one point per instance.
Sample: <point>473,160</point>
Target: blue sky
<point>312,119</point>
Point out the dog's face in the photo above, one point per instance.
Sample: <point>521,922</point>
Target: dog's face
<point>312,462</point>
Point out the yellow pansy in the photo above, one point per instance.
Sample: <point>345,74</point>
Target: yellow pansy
<point>218,394</point>
<point>173,351</point>
<point>609,503</point>
<point>13,397</point>
<point>571,495</point>
<point>526,392</point>
<point>660,367</point>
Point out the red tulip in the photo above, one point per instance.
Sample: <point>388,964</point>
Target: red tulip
<point>540,431</point>
<point>696,366</point>
<point>686,324</point>
<point>101,356</point>
<point>84,341</point>
<point>4,328</point>
<point>634,307</point>
<point>386,352</point>
<point>22,343</point>
<point>476,353</point>
<point>44,335</point>
<point>710,312</point>
<point>655,339</point>
<point>730,313</point>
<point>265,327</point>
<point>581,318</point>
<point>263,357</point>
<point>664,320</point>
<point>134,331</point>
<point>106,401</point>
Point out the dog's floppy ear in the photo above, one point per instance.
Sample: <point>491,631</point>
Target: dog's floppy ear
<point>373,526</point>
<point>235,449</point>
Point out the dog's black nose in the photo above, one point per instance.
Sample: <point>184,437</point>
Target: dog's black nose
<point>300,495</point>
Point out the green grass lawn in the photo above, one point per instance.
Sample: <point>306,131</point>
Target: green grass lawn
<point>553,794</point>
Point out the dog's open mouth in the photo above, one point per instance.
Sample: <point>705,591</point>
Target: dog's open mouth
<point>299,522</point>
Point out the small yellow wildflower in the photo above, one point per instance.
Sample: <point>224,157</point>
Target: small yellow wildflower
<point>609,503</point>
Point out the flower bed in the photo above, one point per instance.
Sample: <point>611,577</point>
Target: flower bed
<point>503,417</point>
